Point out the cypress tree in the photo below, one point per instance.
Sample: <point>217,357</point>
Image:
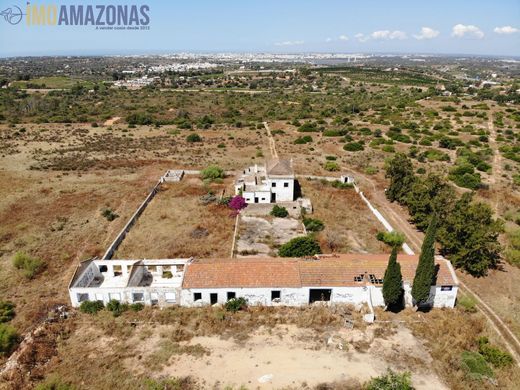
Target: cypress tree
<point>393,281</point>
<point>425,271</point>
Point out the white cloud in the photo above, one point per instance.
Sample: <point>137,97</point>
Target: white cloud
<point>361,37</point>
<point>388,35</point>
<point>506,30</point>
<point>289,43</point>
<point>462,30</point>
<point>381,35</point>
<point>427,33</point>
<point>343,38</point>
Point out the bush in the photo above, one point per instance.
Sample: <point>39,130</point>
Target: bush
<point>313,224</point>
<point>30,266</point>
<point>6,311</point>
<point>494,355</point>
<point>391,381</point>
<point>194,138</point>
<point>109,214</point>
<point>467,304</point>
<point>353,147</point>
<point>91,307</point>
<point>136,306</point>
<point>117,308</point>
<point>475,365</point>
<point>303,140</point>
<point>279,212</point>
<point>8,339</point>
<point>393,239</point>
<point>300,247</point>
<point>213,172</point>
<point>236,304</point>
<point>331,166</point>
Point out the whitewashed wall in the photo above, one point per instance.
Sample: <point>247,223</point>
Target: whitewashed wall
<point>283,194</point>
<point>164,296</point>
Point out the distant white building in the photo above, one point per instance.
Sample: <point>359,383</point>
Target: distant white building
<point>273,182</point>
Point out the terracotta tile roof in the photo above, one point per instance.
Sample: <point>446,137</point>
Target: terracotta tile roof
<point>242,273</point>
<point>326,270</point>
<point>279,168</point>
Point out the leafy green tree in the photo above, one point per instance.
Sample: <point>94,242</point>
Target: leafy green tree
<point>194,138</point>
<point>425,272</point>
<point>300,247</point>
<point>393,239</point>
<point>428,196</point>
<point>469,236</point>
<point>400,172</point>
<point>393,281</point>
<point>212,172</point>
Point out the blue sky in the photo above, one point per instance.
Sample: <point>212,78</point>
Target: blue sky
<point>402,26</point>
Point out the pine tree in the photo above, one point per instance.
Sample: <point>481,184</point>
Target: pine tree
<point>425,271</point>
<point>393,281</point>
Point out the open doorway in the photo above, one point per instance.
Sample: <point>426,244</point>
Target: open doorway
<point>213,298</point>
<point>319,295</point>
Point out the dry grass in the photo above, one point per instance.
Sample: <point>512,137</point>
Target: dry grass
<point>346,217</point>
<point>177,224</point>
<point>448,333</point>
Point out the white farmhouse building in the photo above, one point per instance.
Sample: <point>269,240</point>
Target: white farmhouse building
<point>151,282</point>
<point>269,183</point>
<point>345,278</point>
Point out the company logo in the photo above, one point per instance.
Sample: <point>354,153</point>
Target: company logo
<point>100,16</point>
<point>12,15</point>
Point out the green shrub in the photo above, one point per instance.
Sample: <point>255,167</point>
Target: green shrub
<point>109,214</point>
<point>467,303</point>
<point>313,224</point>
<point>475,365</point>
<point>212,172</point>
<point>300,247</point>
<point>371,170</point>
<point>194,138</point>
<point>303,140</point>
<point>331,158</point>
<point>331,166</point>
<point>391,381</point>
<point>236,304</point>
<point>117,308</point>
<point>6,311</point>
<point>279,212</point>
<point>29,266</point>
<point>494,355</point>
<point>91,307</point>
<point>392,239</point>
<point>8,339</point>
<point>340,185</point>
<point>353,147</point>
<point>136,306</point>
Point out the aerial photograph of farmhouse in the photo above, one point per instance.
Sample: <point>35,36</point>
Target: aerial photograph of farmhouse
<point>260,195</point>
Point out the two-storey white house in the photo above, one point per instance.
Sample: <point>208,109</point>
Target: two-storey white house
<point>272,182</point>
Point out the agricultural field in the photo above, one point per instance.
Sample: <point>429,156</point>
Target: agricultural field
<point>78,159</point>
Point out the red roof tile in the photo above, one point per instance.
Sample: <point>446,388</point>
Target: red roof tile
<point>325,270</point>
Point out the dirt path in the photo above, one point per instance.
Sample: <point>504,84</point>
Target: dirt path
<point>272,143</point>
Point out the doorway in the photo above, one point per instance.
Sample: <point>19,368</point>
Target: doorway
<point>213,298</point>
<point>319,295</point>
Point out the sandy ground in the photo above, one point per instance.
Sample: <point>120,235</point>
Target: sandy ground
<point>264,235</point>
<point>290,356</point>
